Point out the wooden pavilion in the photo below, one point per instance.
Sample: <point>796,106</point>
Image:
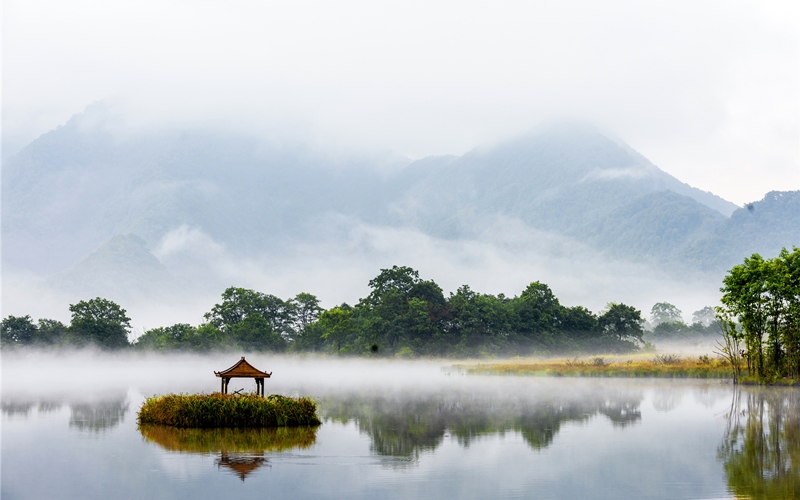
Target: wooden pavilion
<point>242,369</point>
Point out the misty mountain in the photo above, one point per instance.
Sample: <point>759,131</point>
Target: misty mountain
<point>122,266</point>
<point>98,205</point>
<point>571,180</point>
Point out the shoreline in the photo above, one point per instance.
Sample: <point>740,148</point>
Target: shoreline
<point>617,366</point>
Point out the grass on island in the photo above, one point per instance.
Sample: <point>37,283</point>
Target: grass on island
<point>228,410</point>
<point>663,366</point>
<point>273,439</point>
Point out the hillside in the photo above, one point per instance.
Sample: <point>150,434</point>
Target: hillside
<point>87,198</point>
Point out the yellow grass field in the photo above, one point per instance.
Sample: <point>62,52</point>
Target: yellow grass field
<point>662,366</point>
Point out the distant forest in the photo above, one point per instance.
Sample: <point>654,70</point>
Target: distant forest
<point>403,316</point>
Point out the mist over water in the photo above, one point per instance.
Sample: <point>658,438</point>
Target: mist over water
<point>397,428</point>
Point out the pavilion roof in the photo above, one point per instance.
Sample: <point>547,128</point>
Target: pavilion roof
<point>242,369</point>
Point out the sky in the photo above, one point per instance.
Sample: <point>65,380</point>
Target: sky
<point>707,90</point>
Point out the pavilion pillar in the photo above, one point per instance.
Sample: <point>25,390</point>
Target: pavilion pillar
<point>222,385</point>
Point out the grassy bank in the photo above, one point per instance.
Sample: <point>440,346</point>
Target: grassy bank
<point>664,366</point>
<point>274,439</point>
<point>226,410</point>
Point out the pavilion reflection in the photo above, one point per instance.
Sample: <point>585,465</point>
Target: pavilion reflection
<point>239,451</point>
<point>241,464</point>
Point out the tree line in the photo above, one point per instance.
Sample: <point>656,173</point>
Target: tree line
<point>403,315</point>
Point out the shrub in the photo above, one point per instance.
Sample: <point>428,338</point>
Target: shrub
<point>227,410</point>
<point>666,359</point>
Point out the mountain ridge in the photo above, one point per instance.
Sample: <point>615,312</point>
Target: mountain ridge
<point>69,193</point>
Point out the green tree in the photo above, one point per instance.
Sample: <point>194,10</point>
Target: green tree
<point>763,297</point>
<point>579,325</point>
<point>50,332</point>
<point>479,320</point>
<point>538,314</point>
<point>304,312</point>
<point>17,331</point>
<point>172,337</point>
<point>336,323</point>
<point>99,322</point>
<point>744,298</point>
<point>402,312</point>
<point>252,320</point>
<point>621,325</point>
<point>397,281</point>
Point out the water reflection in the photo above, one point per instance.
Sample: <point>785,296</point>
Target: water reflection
<point>407,424</point>
<point>240,451</point>
<point>98,416</point>
<point>23,408</point>
<point>94,416</point>
<point>241,464</point>
<point>761,447</point>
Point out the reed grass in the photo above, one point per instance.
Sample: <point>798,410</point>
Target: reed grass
<point>228,410</point>
<point>665,366</point>
<point>274,439</point>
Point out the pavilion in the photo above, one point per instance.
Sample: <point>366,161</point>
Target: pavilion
<point>242,369</point>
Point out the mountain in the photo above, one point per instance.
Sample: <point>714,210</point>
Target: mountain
<point>122,264</point>
<point>572,180</point>
<point>96,206</point>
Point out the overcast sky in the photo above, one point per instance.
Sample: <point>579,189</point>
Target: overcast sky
<point>707,90</point>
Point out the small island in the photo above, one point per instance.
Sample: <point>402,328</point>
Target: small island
<point>219,409</point>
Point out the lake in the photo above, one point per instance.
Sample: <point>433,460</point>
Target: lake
<point>392,430</point>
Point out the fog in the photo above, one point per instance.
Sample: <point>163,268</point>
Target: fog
<point>92,375</point>
<point>709,90</point>
<point>412,428</point>
<point>505,258</point>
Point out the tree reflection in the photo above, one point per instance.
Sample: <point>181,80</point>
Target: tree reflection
<point>239,451</point>
<point>761,447</point>
<point>98,416</point>
<point>23,408</point>
<point>17,408</point>
<point>406,425</point>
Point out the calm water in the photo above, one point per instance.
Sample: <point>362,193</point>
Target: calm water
<point>396,430</point>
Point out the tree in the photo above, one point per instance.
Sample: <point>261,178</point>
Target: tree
<point>538,313</point>
<point>401,310</point>
<point>663,312</point>
<point>305,310</point>
<point>705,316</point>
<point>578,322</point>
<point>763,297</point>
<point>252,320</point>
<point>744,298</point>
<point>162,338</point>
<point>17,331</point>
<point>50,332</point>
<point>337,326</point>
<point>397,280</point>
<point>671,330</point>
<point>100,322</point>
<point>622,326</point>
<point>478,319</point>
